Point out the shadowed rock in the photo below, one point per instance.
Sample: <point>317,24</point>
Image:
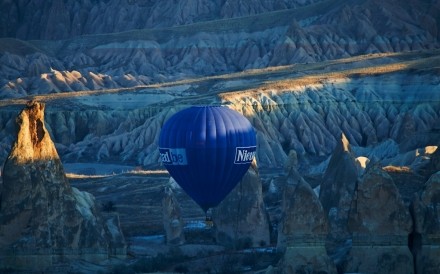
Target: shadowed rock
<point>172,218</point>
<point>337,188</point>
<point>433,165</point>
<point>380,223</point>
<point>241,219</point>
<point>40,213</point>
<point>426,237</point>
<point>303,229</point>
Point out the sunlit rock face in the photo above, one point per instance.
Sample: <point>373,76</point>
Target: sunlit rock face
<point>380,223</point>
<point>40,212</point>
<point>241,219</point>
<point>426,213</point>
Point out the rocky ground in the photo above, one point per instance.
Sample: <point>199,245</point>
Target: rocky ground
<point>137,198</point>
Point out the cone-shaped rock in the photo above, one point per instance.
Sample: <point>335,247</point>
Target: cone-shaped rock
<point>303,229</point>
<point>172,218</point>
<point>241,219</point>
<point>426,238</point>
<point>380,223</point>
<point>340,177</point>
<point>337,189</point>
<point>40,212</point>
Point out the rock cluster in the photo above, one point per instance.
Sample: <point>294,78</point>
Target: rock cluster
<point>363,222</point>
<point>426,237</point>
<point>43,220</point>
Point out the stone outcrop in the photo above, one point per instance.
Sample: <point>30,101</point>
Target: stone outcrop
<point>426,237</point>
<point>337,188</point>
<point>434,163</point>
<point>172,218</point>
<point>42,218</point>
<point>241,219</point>
<point>380,223</point>
<point>303,229</point>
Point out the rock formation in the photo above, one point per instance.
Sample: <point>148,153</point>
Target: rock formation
<point>303,229</point>
<point>337,189</point>
<point>291,161</point>
<point>380,223</point>
<point>42,218</point>
<point>241,219</point>
<point>434,163</point>
<point>300,119</point>
<point>426,237</point>
<point>172,218</point>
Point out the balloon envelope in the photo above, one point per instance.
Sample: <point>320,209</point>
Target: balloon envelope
<point>207,150</point>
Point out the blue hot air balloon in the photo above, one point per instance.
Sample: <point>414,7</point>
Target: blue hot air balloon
<point>207,150</point>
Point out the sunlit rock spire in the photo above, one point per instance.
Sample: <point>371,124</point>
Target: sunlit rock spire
<point>41,214</point>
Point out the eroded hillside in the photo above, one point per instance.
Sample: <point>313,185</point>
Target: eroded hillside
<point>289,33</point>
<point>372,99</point>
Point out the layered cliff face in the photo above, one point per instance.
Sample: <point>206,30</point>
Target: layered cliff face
<point>40,212</point>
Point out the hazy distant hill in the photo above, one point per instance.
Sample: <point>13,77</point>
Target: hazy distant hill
<point>259,36</point>
<point>54,19</point>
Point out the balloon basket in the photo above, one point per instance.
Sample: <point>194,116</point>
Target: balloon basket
<point>209,223</point>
